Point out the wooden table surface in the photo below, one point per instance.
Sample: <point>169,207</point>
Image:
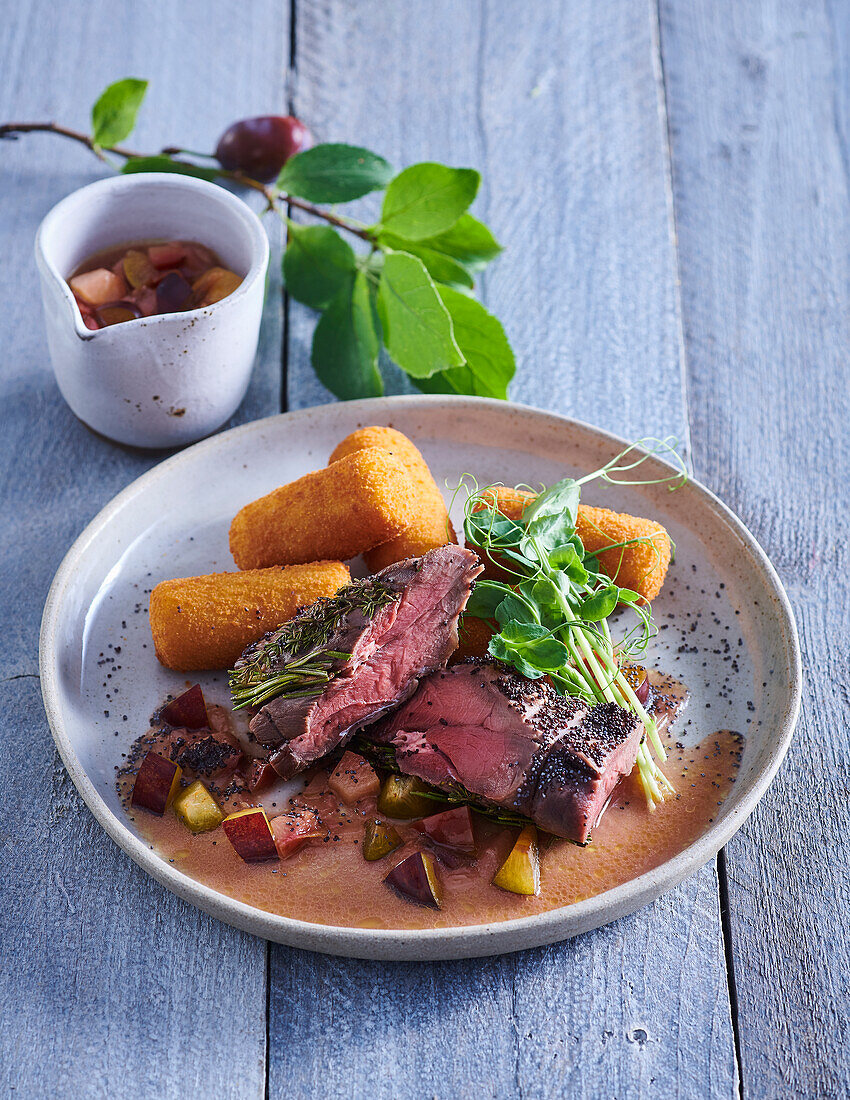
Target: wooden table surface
<point>671,182</point>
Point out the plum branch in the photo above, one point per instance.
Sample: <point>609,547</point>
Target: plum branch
<point>9,131</point>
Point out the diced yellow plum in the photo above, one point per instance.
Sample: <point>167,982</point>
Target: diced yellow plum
<point>353,778</point>
<point>520,873</point>
<point>379,839</point>
<point>402,797</point>
<point>197,808</point>
<point>215,284</point>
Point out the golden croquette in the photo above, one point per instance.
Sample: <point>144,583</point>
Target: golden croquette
<point>207,622</point>
<point>431,526</point>
<point>338,512</point>
<point>641,566</point>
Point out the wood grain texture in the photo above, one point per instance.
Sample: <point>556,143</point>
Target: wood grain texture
<point>758,100</point>
<point>560,111</point>
<point>110,986</point>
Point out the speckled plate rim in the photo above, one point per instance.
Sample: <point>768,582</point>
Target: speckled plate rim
<point>419,944</point>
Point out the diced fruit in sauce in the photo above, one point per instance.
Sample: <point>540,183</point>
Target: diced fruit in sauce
<point>416,878</point>
<point>157,782</point>
<point>261,775</point>
<point>291,829</point>
<point>138,270</point>
<point>139,280</point>
<point>172,293</point>
<point>451,829</point>
<point>145,299</point>
<point>401,797</point>
<point>214,285</point>
<point>520,873</point>
<point>638,678</point>
<point>166,255</point>
<point>353,778</point>
<point>197,808</point>
<point>379,839</point>
<point>250,834</point>
<point>98,287</point>
<point>189,710</point>
<point>197,260</point>
<point>117,312</point>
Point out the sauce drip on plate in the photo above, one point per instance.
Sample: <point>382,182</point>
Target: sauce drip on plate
<point>329,882</point>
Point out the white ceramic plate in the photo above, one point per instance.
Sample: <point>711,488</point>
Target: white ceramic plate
<point>174,521</point>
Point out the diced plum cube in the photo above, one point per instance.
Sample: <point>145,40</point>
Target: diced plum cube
<point>145,299</point>
<point>167,255</point>
<point>250,834</point>
<point>520,873</point>
<point>214,285</point>
<point>189,710</point>
<point>157,782</point>
<point>261,775</point>
<point>173,293</point>
<point>197,808</point>
<point>354,778</point>
<point>451,829</point>
<point>138,270</point>
<point>291,829</point>
<point>197,260</point>
<point>98,287</point>
<point>416,879</point>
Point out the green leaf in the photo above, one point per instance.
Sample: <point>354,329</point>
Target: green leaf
<point>530,644</point>
<point>114,114</point>
<point>515,609</point>
<point>441,268</point>
<point>560,498</point>
<point>426,199</point>
<point>417,326</point>
<point>499,649</point>
<point>490,363</point>
<point>600,605</point>
<point>568,560</point>
<point>334,173</point>
<point>163,163</point>
<point>317,264</point>
<point>486,597</point>
<point>346,344</point>
<point>469,241</point>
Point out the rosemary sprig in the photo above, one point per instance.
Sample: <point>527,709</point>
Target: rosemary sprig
<point>301,657</point>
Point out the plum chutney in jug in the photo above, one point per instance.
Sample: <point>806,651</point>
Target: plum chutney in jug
<point>144,278</point>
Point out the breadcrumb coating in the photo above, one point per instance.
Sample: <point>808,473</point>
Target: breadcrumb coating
<point>207,622</point>
<point>473,638</point>
<point>338,512</point>
<point>432,526</point>
<point>641,567</point>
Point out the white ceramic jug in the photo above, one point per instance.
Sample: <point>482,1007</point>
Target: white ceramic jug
<point>157,381</point>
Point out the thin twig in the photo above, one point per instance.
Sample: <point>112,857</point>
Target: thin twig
<point>10,130</point>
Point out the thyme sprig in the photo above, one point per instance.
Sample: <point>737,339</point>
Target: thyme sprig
<point>301,657</point>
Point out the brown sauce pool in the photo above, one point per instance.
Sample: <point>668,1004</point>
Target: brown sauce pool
<point>329,882</point>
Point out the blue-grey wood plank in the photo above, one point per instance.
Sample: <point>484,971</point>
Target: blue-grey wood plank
<point>758,103</point>
<point>559,105</point>
<point>110,986</point>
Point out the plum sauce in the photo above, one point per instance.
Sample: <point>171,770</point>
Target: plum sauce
<point>144,278</point>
